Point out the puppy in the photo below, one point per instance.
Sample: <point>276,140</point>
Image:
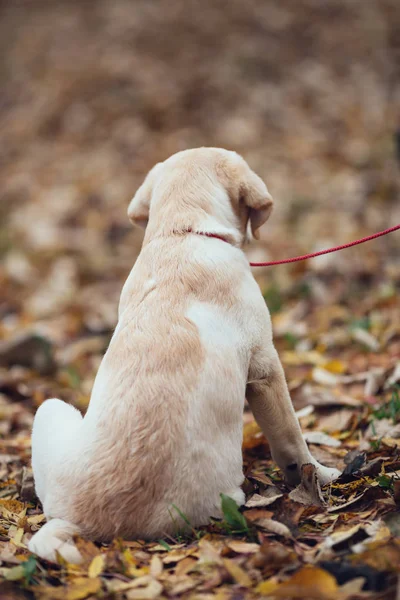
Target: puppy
<point>164,424</point>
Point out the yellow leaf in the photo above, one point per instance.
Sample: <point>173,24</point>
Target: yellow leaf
<point>96,566</point>
<point>128,558</point>
<point>36,519</point>
<point>237,573</point>
<point>80,589</point>
<point>265,588</point>
<point>136,572</point>
<point>17,539</point>
<point>335,366</point>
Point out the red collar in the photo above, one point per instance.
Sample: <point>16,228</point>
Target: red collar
<point>210,235</point>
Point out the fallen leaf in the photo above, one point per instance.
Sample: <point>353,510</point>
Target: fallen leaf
<point>243,547</point>
<point>258,501</point>
<point>382,556</point>
<point>323,377</point>
<point>177,555</point>
<point>151,589</point>
<point>97,565</point>
<point>344,505</point>
<point>274,527</point>
<point>36,519</point>
<point>78,590</point>
<point>237,573</point>
<point>308,583</point>
<point>252,436</point>
<point>309,490</point>
<point>26,487</point>
<point>156,566</point>
<point>365,338</point>
<point>317,437</point>
<point>185,566</point>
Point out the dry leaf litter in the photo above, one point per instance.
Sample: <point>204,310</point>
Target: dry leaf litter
<point>92,95</point>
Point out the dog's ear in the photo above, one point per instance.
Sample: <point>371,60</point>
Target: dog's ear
<point>139,207</point>
<point>255,195</point>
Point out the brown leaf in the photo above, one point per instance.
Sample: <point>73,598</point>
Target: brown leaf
<point>254,514</point>
<point>259,501</point>
<point>26,487</point>
<point>309,490</point>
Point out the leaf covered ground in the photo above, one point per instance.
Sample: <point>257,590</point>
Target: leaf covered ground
<point>92,94</point>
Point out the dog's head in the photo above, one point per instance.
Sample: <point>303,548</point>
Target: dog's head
<point>205,189</point>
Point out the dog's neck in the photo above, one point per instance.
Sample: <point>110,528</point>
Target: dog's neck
<point>210,235</point>
<point>195,215</point>
<point>207,227</point>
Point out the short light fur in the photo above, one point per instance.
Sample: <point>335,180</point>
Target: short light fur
<point>164,424</point>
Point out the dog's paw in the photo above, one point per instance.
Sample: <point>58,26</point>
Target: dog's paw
<point>326,474</point>
<point>49,549</point>
<point>53,539</point>
<point>293,473</point>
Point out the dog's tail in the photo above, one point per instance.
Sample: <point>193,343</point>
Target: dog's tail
<point>56,537</point>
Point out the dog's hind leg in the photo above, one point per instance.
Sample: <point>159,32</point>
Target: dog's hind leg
<point>55,427</point>
<point>54,444</point>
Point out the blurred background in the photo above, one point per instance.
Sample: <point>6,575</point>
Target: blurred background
<point>93,93</point>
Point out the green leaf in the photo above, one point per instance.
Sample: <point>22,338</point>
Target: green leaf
<point>385,482</point>
<point>232,515</point>
<point>363,323</point>
<point>23,571</point>
<point>164,544</point>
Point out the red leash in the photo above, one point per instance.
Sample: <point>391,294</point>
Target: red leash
<point>327,251</point>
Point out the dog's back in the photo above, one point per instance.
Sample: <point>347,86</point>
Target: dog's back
<point>164,423</point>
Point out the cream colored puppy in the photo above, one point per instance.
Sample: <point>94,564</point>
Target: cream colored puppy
<point>164,424</point>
